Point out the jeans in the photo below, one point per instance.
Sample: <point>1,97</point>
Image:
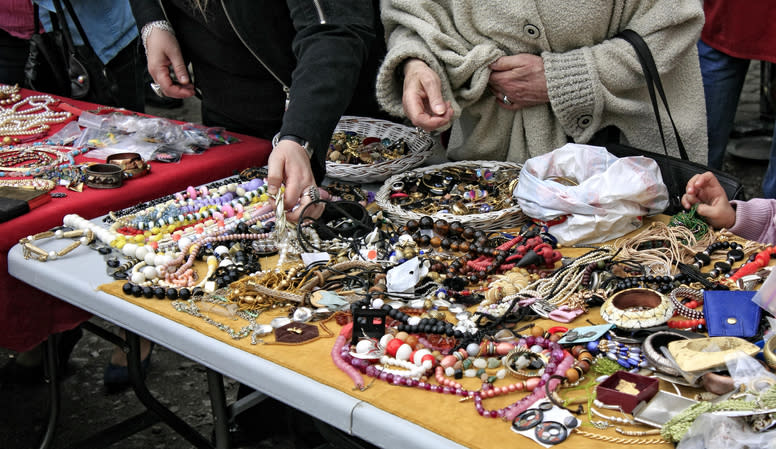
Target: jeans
<point>723,79</point>
<point>769,180</point>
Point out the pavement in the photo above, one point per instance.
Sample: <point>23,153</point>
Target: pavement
<point>87,407</point>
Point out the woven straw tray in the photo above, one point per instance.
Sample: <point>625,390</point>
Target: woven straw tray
<point>419,148</point>
<point>508,217</point>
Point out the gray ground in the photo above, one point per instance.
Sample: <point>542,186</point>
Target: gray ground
<point>86,407</point>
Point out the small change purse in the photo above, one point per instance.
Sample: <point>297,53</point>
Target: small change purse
<point>731,313</point>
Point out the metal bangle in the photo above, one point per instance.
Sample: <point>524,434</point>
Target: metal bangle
<point>150,27</point>
<point>104,176</point>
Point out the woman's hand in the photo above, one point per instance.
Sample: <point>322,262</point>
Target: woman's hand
<point>290,166</point>
<point>163,52</point>
<point>422,97</point>
<point>713,204</point>
<point>518,81</point>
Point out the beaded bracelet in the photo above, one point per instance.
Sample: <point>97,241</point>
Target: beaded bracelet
<point>683,310</point>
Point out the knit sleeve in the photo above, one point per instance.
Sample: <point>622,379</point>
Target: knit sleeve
<point>598,84</point>
<point>755,220</point>
<point>427,30</point>
<point>571,83</point>
<point>403,44</point>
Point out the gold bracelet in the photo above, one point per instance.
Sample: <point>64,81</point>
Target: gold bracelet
<point>85,237</point>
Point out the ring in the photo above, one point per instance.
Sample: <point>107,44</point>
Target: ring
<point>505,100</point>
<point>158,90</point>
<point>313,193</point>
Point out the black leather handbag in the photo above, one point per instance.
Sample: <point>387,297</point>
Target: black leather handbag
<point>57,66</point>
<point>676,172</point>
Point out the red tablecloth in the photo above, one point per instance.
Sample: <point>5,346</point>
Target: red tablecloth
<point>27,315</point>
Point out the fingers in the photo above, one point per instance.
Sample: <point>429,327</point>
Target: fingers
<point>432,87</point>
<point>275,173</point>
<point>432,122</point>
<point>164,52</point>
<point>289,166</point>
<point>422,97</point>
<point>688,200</point>
<point>309,205</point>
<point>505,63</point>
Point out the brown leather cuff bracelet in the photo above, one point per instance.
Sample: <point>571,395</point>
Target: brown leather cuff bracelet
<point>131,163</point>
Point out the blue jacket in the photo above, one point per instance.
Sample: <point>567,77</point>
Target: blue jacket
<point>109,24</point>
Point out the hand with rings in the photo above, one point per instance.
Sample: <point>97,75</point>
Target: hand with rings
<point>289,166</point>
<point>313,193</point>
<point>518,81</point>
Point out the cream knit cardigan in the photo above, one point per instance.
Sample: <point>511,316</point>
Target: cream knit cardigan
<point>593,79</point>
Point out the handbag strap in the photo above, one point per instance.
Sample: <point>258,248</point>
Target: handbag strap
<point>652,76</point>
<point>62,21</point>
<point>62,17</point>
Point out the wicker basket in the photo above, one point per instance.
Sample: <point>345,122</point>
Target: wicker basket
<point>509,217</point>
<point>419,148</point>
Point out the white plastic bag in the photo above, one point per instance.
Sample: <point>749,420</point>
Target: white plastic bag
<point>766,295</point>
<point>609,197</point>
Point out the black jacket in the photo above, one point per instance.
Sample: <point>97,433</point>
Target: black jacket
<point>323,53</point>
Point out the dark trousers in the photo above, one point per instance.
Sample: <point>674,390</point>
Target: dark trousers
<point>13,55</point>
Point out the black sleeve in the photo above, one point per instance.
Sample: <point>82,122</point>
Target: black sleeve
<point>329,59</point>
<point>146,11</point>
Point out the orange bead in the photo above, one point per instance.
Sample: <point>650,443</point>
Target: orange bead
<point>572,375</point>
<point>537,331</point>
<point>412,340</point>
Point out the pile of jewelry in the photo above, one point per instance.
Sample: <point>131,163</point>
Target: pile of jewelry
<point>435,305</point>
<point>456,190</point>
<point>348,147</point>
<point>38,159</point>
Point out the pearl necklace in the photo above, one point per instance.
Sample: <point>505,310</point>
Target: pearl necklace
<point>9,94</point>
<point>36,118</point>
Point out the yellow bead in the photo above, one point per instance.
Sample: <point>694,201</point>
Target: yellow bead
<point>155,230</point>
<point>156,237</point>
<point>139,238</point>
<point>120,244</point>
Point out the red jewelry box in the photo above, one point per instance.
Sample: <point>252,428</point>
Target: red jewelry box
<point>607,393</point>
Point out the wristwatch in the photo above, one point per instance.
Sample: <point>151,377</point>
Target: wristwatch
<point>305,144</point>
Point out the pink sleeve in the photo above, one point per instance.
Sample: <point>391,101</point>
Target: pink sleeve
<point>755,220</point>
